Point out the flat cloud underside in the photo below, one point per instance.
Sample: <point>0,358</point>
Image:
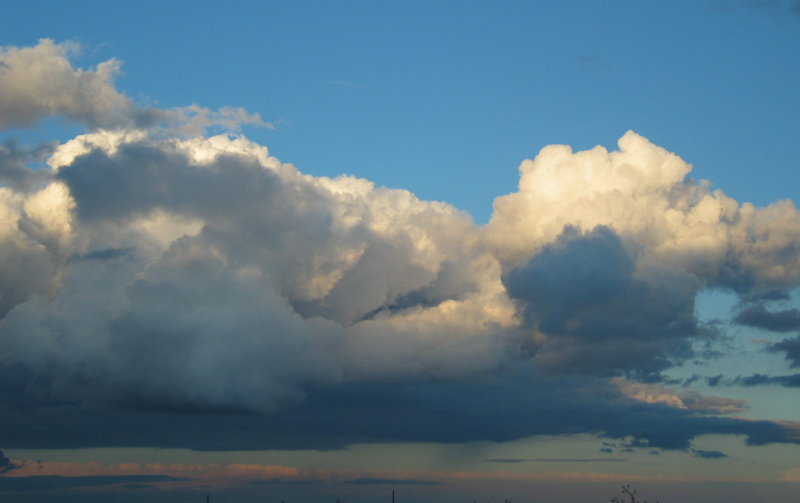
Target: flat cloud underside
<point>508,407</point>
<point>152,273</point>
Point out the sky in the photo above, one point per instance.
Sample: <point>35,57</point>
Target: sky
<point>462,251</point>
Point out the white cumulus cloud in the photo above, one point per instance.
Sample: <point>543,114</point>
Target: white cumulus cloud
<point>153,267</point>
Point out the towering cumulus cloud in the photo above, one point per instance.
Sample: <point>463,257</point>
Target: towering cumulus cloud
<point>150,269</point>
<point>606,251</point>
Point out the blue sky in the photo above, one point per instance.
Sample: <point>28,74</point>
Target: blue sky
<point>446,98</point>
<point>474,306</point>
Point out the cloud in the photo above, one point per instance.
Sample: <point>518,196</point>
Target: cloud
<point>157,284</point>
<point>14,170</point>
<point>655,393</point>
<point>496,409</point>
<point>286,482</point>
<point>643,194</point>
<point>383,482</point>
<point>202,276</point>
<point>713,404</point>
<point>574,460</point>
<point>781,321</point>
<point>37,82</point>
<point>194,120</point>
<point>791,347</point>
<point>263,279</point>
<point>597,313</point>
<point>709,454</point>
<point>789,381</point>
<point>6,465</point>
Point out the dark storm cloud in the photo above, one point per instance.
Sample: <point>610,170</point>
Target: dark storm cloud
<point>602,318</point>
<point>779,321</point>
<point>333,417</point>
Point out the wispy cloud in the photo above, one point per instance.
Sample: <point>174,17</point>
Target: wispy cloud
<point>578,460</point>
<point>383,482</point>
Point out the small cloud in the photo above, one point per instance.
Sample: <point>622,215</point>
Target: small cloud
<point>792,349</point>
<point>757,316</point>
<point>713,404</point>
<point>576,460</point>
<point>606,449</point>
<point>286,482</point>
<point>37,82</point>
<point>509,460</point>
<point>138,486</point>
<point>6,465</point>
<point>381,482</point>
<point>774,294</point>
<point>103,255</point>
<point>787,381</point>
<point>709,454</point>
<point>194,120</point>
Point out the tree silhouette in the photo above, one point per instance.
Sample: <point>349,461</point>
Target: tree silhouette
<point>627,495</point>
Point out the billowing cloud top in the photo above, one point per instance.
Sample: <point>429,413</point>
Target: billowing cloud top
<point>152,269</point>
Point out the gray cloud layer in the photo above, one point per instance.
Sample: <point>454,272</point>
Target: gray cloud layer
<point>151,278</point>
